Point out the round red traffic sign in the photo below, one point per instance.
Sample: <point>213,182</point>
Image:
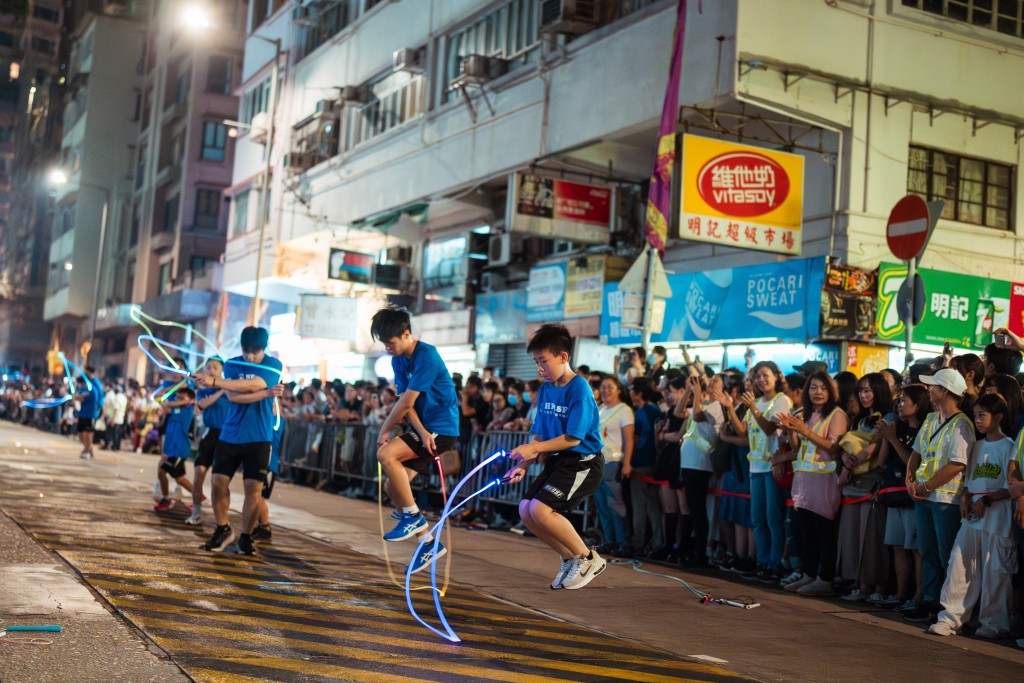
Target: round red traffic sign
<point>908,227</point>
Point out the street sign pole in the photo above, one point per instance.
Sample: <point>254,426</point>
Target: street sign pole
<point>648,299</point>
<point>908,357</point>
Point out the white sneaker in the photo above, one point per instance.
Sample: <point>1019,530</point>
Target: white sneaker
<point>195,519</point>
<point>876,599</point>
<point>583,570</point>
<point>556,583</point>
<point>799,583</point>
<point>991,634</point>
<point>85,455</point>
<point>855,596</point>
<point>795,576</point>
<point>817,587</point>
<point>941,628</point>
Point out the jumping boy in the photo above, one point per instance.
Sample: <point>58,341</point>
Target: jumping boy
<point>567,438</point>
<point>214,404</point>
<point>427,398</point>
<point>177,446</point>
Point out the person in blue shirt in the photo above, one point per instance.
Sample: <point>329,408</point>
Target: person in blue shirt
<point>177,445</point>
<point>214,404</point>
<point>262,531</point>
<point>90,395</point>
<point>252,382</point>
<point>567,439</point>
<point>427,398</point>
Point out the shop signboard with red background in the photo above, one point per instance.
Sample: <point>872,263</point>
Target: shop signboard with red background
<point>560,209</point>
<point>1016,323</point>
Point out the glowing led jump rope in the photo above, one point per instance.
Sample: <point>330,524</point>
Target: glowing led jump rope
<point>172,365</point>
<point>69,379</point>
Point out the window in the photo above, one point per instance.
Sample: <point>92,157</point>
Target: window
<point>171,213</point>
<point>975,191</point>
<point>219,75</point>
<point>164,285</point>
<point>395,99</point>
<point>255,101</point>
<point>42,45</point>
<point>181,92</point>
<point>509,32</point>
<point>215,140</point>
<point>198,264</point>
<point>241,225</point>
<point>136,226</point>
<point>46,14</point>
<point>7,39</point>
<point>1004,16</point>
<point>207,209</point>
<point>327,24</point>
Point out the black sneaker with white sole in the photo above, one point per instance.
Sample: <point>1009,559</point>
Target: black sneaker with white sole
<point>221,539</point>
<point>261,533</point>
<point>245,546</point>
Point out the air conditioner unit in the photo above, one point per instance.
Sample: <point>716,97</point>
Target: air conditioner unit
<point>353,94</point>
<point>409,60</point>
<point>562,247</point>
<point>477,69</point>
<point>501,249</point>
<point>492,281</point>
<point>400,255</point>
<point>299,161</point>
<point>305,16</point>
<point>571,17</point>
<point>391,276</point>
<point>328,109</point>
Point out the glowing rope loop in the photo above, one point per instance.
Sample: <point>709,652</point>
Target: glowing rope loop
<point>69,379</point>
<point>448,633</point>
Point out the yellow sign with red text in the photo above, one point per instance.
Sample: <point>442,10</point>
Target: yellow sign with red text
<point>864,358</point>
<point>741,196</point>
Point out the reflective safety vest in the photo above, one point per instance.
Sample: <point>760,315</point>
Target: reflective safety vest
<point>693,436</point>
<point>936,446</point>
<point>807,458</point>
<point>755,435</point>
<point>1019,450</point>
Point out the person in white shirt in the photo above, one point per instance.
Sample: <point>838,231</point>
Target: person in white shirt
<point>118,413</point>
<point>984,557</point>
<point>616,423</point>
<point>699,439</point>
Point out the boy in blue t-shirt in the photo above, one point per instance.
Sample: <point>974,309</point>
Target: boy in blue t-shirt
<point>427,398</point>
<point>91,402</point>
<point>262,531</point>
<point>567,438</point>
<point>214,405</point>
<point>177,445</point>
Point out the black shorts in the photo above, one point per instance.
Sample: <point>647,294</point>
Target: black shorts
<point>268,485</point>
<point>566,481</point>
<point>86,424</point>
<point>207,446</point>
<point>424,461</point>
<point>253,458</point>
<point>174,467</point>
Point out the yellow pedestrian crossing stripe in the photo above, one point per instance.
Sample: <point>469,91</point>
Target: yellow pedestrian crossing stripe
<point>303,610</point>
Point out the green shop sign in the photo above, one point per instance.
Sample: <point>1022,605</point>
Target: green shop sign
<point>960,309</point>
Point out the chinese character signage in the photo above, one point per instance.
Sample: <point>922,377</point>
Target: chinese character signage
<point>779,301</point>
<point>1016,322</point>
<point>329,317</point>
<point>501,317</point>
<point>559,209</point>
<point>960,309</point>
<point>350,266</point>
<point>546,293</point>
<point>848,303</point>
<point>741,196</point>
<point>584,285</point>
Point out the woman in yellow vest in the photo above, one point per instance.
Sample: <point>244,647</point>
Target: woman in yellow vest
<point>935,481</point>
<point>816,493</point>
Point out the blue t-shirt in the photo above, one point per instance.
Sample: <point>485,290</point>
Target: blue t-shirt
<point>92,399</point>
<point>214,414</point>
<point>275,452</point>
<point>176,441</point>
<point>425,372</point>
<point>251,422</point>
<point>569,410</point>
<point>645,454</point>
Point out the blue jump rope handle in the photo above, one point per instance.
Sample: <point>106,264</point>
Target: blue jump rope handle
<point>33,628</point>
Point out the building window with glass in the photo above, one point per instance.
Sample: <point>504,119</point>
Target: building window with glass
<point>219,75</point>
<point>164,285</point>
<point>975,191</point>
<point>1004,16</point>
<point>207,209</point>
<point>171,213</point>
<point>215,141</point>
<point>394,99</point>
<point>241,222</point>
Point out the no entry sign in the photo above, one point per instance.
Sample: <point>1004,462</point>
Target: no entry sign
<point>908,228</point>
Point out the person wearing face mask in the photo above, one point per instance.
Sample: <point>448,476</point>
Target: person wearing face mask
<point>656,363</point>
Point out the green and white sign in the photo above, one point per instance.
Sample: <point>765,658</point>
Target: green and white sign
<point>960,309</point>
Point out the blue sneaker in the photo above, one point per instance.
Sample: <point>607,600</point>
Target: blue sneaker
<point>407,527</point>
<point>426,556</point>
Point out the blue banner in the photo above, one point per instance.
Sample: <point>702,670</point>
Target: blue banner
<point>501,317</point>
<point>546,293</point>
<point>778,301</point>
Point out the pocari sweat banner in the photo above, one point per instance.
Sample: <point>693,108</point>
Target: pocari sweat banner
<point>771,301</point>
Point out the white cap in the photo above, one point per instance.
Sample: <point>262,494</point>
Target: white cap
<point>947,378</point>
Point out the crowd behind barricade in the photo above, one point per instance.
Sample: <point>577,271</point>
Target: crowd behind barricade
<point>902,490</point>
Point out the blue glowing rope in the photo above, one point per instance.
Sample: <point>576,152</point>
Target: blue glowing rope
<point>69,379</point>
<point>448,633</point>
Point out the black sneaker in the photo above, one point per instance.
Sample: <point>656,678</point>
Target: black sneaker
<point>695,560</point>
<point>766,576</point>
<point>245,546</point>
<point>221,539</point>
<point>746,567</point>
<point>261,533</point>
<point>920,615</point>
<point>660,554</point>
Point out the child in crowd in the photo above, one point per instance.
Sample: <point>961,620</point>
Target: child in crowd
<point>567,437</point>
<point>984,555</point>
<point>177,445</point>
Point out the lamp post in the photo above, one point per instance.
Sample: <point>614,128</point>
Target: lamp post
<point>59,179</point>
<point>264,207</point>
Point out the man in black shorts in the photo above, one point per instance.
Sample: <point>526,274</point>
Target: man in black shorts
<point>214,403</point>
<point>427,397</point>
<point>252,382</point>
<point>91,397</point>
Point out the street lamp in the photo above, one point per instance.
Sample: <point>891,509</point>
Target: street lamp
<point>58,177</point>
<point>196,18</point>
